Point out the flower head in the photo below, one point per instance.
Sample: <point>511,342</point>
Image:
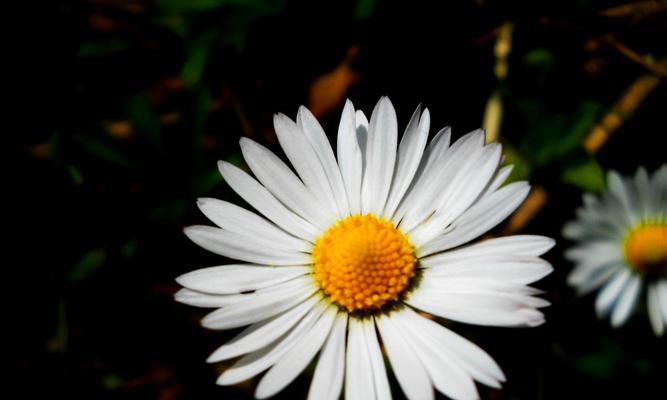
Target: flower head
<point>350,249</point>
<point>622,246</point>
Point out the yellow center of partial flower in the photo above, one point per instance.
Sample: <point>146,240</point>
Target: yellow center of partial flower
<point>363,263</point>
<point>646,248</point>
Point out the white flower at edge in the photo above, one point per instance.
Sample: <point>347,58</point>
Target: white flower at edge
<point>350,250</point>
<point>622,246</point>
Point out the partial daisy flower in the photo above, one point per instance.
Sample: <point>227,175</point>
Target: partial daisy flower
<point>622,245</point>
<point>354,250</point>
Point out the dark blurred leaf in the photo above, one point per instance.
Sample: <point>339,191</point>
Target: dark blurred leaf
<point>103,48</point>
<point>554,135</point>
<point>236,159</point>
<point>90,261</point>
<point>112,382</point>
<point>58,343</point>
<point>174,22</point>
<point>106,152</point>
<point>364,9</point>
<point>142,116</point>
<point>179,6</point>
<point>521,167</point>
<point>129,249</point>
<point>75,174</point>
<point>197,58</point>
<point>602,363</point>
<point>587,175</point>
<point>170,213</point>
<point>201,110</point>
<point>539,58</point>
<point>205,183</point>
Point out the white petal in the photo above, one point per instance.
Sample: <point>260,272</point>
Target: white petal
<point>409,370</point>
<point>241,247</point>
<point>464,188</point>
<point>305,161</point>
<point>409,156</point>
<point>479,309</point>
<point>318,139</point>
<point>611,291</point>
<point>380,158</point>
<point>239,220</point>
<point>380,381</point>
<point>433,155</point>
<point>472,358</point>
<point>198,299</point>
<point>433,187</point>
<point>358,367</point>
<point>261,334</point>
<point>480,218</point>
<point>517,245</point>
<point>500,177</point>
<point>263,201</point>
<point>654,313</point>
<point>328,376</point>
<point>662,292</point>
<point>644,195</point>
<point>281,181</point>
<point>264,304</point>
<point>623,193</point>
<point>593,279</point>
<point>254,363</point>
<point>516,269</point>
<point>350,157</point>
<point>626,303</point>
<point>283,372</point>
<point>434,152</point>
<point>595,252</point>
<point>447,376</point>
<point>237,278</point>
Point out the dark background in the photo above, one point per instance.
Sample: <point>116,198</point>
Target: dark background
<point>125,107</point>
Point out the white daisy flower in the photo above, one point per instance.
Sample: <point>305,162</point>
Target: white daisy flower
<point>622,244</point>
<point>355,250</point>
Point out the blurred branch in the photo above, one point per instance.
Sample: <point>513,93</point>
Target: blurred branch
<point>658,68</point>
<point>636,10</point>
<point>622,110</point>
<point>493,113</point>
<point>527,211</point>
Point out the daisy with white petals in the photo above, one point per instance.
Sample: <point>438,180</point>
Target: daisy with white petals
<point>349,250</point>
<point>622,246</point>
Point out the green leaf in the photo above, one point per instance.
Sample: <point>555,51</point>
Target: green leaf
<point>58,342</point>
<point>106,152</point>
<point>521,168</point>
<point>539,58</point>
<point>553,135</point>
<point>363,9</point>
<point>179,6</point>
<point>170,213</point>
<point>112,382</point>
<point>102,48</point>
<point>196,60</point>
<point>206,182</point>
<point>129,249</point>
<point>75,174</point>
<point>587,175</point>
<point>90,262</point>
<point>603,363</point>
<point>145,122</point>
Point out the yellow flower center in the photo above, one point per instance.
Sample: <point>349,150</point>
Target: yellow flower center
<point>363,263</point>
<point>646,248</point>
